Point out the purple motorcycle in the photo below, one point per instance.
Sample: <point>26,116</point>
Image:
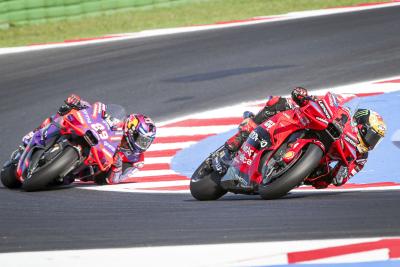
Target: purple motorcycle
<point>82,142</point>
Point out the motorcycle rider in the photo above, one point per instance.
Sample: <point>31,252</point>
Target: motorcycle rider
<point>369,124</point>
<point>139,133</point>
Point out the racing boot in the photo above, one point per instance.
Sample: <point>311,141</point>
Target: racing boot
<point>245,127</point>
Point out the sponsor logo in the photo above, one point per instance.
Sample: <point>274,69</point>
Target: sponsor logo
<point>86,115</point>
<point>351,140</point>
<point>289,155</point>
<point>361,161</point>
<point>110,121</point>
<point>381,127</point>
<point>244,159</point>
<point>332,100</point>
<point>303,119</point>
<point>241,180</point>
<point>268,124</point>
<point>321,120</point>
<point>254,136</point>
<point>324,109</point>
<point>263,143</point>
<point>109,146</point>
<point>248,150</point>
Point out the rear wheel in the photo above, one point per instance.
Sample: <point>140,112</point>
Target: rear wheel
<point>9,178</point>
<point>205,183</point>
<point>51,170</point>
<point>293,176</point>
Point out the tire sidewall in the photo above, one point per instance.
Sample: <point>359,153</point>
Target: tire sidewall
<point>295,175</point>
<point>206,187</point>
<point>51,170</point>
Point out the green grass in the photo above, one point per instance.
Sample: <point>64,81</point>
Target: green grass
<point>191,13</point>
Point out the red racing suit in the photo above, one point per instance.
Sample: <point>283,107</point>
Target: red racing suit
<point>126,162</point>
<point>337,175</point>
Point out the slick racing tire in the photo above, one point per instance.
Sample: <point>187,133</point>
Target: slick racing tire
<point>8,177</point>
<point>293,177</point>
<point>205,184</point>
<point>46,174</point>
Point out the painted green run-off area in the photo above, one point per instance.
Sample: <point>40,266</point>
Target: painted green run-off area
<point>159,15</point>
<point>21,12</point>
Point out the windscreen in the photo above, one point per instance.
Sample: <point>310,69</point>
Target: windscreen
<point>116,112</point>
<point>352,102</point>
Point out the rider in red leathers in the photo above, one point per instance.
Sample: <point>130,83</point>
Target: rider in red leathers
<point>139,133</point>
<point>370,128</point>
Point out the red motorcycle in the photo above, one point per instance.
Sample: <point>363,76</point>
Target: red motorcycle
<point>291,148</point>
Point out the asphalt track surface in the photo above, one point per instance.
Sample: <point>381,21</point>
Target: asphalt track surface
<point>174,75</point>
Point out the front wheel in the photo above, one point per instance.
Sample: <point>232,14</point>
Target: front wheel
<point>304,166</point>
<point>47,173</point>
<point>205,183</point>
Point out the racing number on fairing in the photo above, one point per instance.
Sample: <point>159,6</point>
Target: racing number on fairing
<point>101,130</point>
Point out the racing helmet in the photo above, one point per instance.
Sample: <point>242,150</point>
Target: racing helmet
<point>140,132</point>
<point>299,95</point>
<point>371,129</point>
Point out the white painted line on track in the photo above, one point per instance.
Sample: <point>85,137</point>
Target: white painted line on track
<point>156,160</point>
<point>343,190</point>
<point>153,173</point>
<point>376,255</point>
<point>136,187</point>
<point>150,187</point>
<point>160,146</point>
<point>173,131</point>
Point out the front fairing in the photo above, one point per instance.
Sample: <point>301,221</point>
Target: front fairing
<point>102,132</point>
<point>24,160</point>
<point>345,148</point>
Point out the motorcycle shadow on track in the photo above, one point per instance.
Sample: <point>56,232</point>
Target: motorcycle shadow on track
<point>48,188</point>
<point>288,197</point>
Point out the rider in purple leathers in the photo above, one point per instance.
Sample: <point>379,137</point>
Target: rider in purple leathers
<point>139,133</point>
<point>370,126</point>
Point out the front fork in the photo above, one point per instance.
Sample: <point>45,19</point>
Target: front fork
<point>220,160</point>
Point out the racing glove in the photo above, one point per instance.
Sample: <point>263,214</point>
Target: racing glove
<point>72,102</point>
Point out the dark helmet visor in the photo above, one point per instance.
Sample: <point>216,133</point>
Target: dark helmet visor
<point>371,138</point>
<point>143,142</point>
